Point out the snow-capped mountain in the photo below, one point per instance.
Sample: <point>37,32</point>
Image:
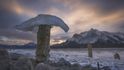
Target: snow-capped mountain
<point>96,38</point>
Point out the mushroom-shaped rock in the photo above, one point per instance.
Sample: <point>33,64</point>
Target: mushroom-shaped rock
<point>44,23</point>
<point>42,19</point>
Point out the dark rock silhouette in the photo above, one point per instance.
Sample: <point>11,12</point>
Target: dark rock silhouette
<point>4,60</point>
<point>42,66</point>
<point>23,64</point>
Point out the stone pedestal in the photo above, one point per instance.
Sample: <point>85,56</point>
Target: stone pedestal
<point>43,40</point>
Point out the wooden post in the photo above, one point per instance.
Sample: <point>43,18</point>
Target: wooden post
<point>90,54</point>
<point>98,66</point>
<point>43,39</point>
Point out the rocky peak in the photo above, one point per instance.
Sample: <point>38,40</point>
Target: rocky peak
<point>94,35</point>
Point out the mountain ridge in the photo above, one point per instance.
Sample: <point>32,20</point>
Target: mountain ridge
<point>30,45</point>
<point>99,39</point>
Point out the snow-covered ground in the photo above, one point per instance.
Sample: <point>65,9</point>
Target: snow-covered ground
<point>104,56</point>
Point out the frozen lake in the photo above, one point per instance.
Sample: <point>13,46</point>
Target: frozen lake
<point>102,55</point>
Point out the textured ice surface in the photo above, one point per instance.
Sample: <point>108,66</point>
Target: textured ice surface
<point>42,19</point>
<point>103,56</point>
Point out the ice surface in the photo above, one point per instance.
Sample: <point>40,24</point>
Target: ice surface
<point>42,19</point>
<point>103,56</point>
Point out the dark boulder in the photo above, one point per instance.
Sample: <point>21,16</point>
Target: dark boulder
<point>22,64</point>
<point>15,56</point>
<point>75,67</point>
<point>42,66</point>
<point>4,60</point>
<point>63,62</point>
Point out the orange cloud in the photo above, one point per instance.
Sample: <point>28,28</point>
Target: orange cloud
<point>22,10</point>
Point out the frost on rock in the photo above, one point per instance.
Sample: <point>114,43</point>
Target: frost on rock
<point>42,19</point>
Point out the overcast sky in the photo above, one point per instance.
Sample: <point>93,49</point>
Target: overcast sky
<point>79,15</point>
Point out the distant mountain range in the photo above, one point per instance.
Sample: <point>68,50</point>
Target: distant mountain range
<point>98,39</point>
<point>26,46</point>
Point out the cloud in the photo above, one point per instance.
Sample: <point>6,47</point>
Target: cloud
<point>12,33</point>
<point>100,6</point>
<point>8,18</point>
<point>119,26</point>
<point>12,41</point>
<point>108,6</point>
<point>80,15</point>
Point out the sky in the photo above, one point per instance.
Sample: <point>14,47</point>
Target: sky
<point>79,15</point>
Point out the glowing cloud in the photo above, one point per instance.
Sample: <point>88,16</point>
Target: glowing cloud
<point>21,10</point>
